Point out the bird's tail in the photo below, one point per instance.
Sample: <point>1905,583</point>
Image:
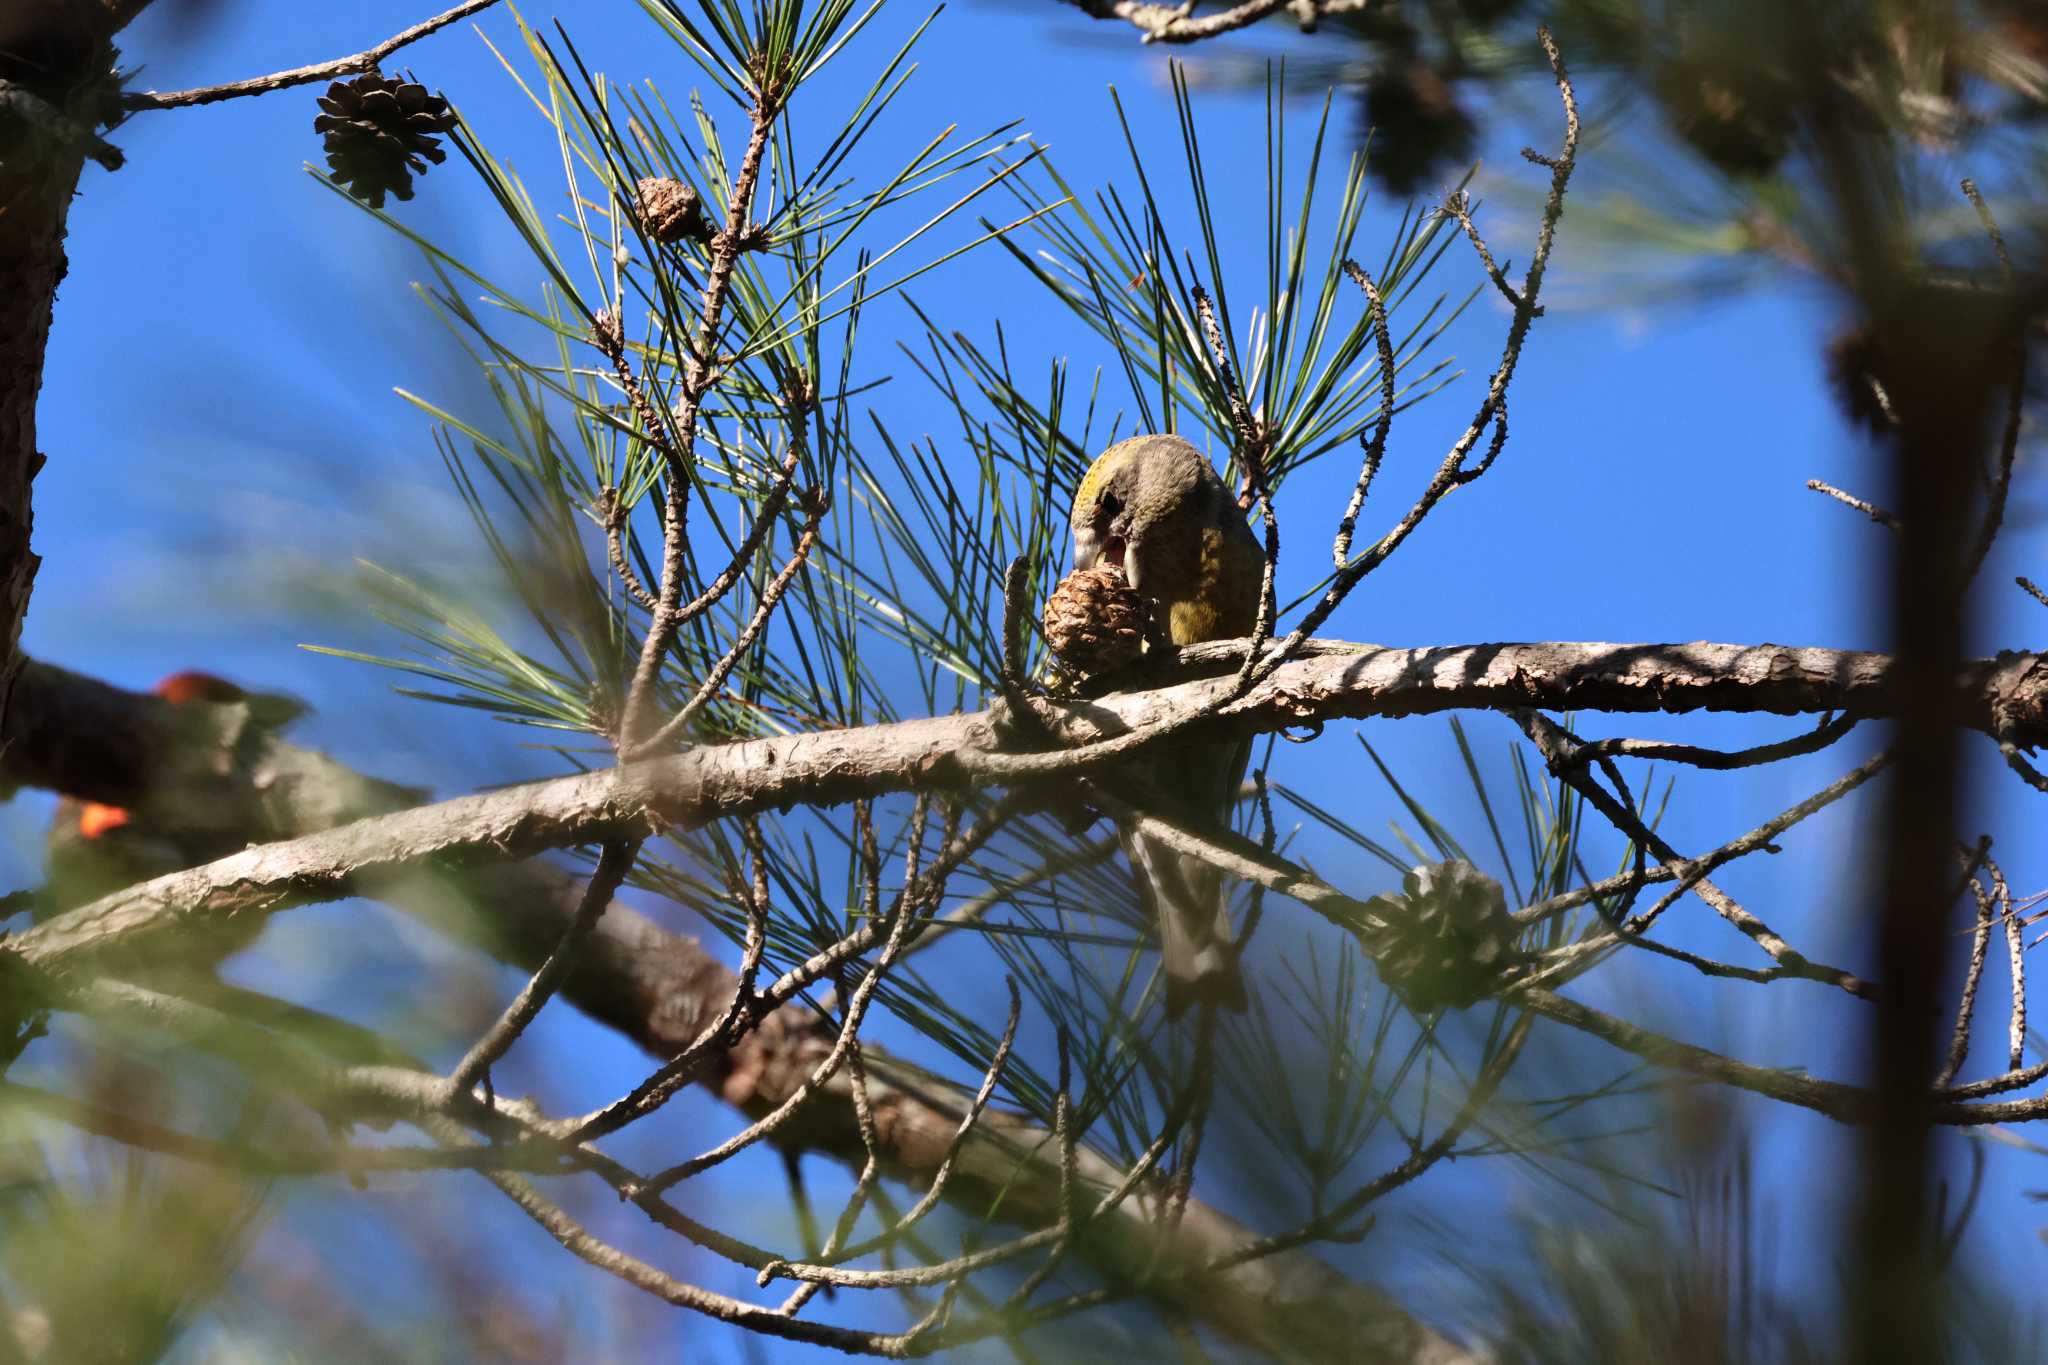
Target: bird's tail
<point>1186,900</point>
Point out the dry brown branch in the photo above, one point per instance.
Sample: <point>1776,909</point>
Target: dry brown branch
<point>771,596</point>
<point>613,866</point>
<point>1556,746</point>
<point>366,60</point>
<point>1003,1154</point>
<point>1375,444</point>
<point>1820,737</point>
<point>639,723</point>
<point>1980,945</point>
<point>1868,509</point>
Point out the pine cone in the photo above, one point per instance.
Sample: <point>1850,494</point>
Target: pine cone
<point>669,211</point>
<point>1416,123</point>
<point>380,134</point>
<point>1852,373</point>
<point>1446,939</point>
<point>1095,621</point>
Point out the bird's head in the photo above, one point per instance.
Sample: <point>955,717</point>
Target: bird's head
<point>1142,507</point>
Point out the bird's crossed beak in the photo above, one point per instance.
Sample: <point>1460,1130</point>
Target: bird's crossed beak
<point>1090,550</point>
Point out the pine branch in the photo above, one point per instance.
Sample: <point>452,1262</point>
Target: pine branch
<point>2006,697</point>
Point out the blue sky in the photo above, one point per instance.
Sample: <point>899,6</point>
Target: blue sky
<point>225,443</point>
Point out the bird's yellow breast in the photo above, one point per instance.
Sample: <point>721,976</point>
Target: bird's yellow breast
<point>1222,602</point>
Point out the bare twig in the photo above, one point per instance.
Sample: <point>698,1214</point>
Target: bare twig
<point>1459,205</point>
<point>613,865</point>
<point>764,522</point>
<point>771,596</point>
<point>1016,584</point>
<point>835,1251</point>
<point>1827,732</point>
<point>1966,1008</point>
<point>666,617</point>
<point>1161,23</point>
<point>1555,745</point>
<point>613,519</point>
<point>1868,509</point>
<point>366,60</point>
<point>2016,1029</point>
<point>1374,444</point>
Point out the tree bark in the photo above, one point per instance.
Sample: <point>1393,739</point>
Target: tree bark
<point>56,88</point>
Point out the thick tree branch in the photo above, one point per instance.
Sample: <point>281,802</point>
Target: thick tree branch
<point>2003,696</point>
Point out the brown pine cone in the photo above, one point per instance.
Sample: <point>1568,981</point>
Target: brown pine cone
<point>1095,621</point>
<point>669,211</point>
<point>379,132</point>
<point>1446,940</point>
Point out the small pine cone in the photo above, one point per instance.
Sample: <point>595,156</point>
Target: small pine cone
<point>669,211</point>
<point>1446,939</point>
<point>1095,621</point>
<point>1417,125</point>
<point>1730,104</point>
<point>380,133</point>
<point>1852,371</point>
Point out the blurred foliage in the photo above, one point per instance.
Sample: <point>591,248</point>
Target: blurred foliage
<point>1705,115</point>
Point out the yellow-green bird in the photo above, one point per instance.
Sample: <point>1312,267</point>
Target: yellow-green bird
<point>1155,507</point>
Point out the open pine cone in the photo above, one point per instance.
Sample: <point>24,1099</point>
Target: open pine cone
<point>1095,621</point>
<point>380,133</point>
<point>1446,939</point>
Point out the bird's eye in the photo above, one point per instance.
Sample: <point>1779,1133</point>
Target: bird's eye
<point>1107,509</point>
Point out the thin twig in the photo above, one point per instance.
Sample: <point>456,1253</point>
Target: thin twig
<point>856,1010</point>
<point>666,618</point>
<point>1868,509</point>
<point>366,60</point>
<point>1555,744</point>
<point>614,521</point>
<point>2016,1029</point>
<point>1162,23</point>
<point>771,596</point>
<point>1375,444</point>
<point>1658,751</point>
<point>835,1253</point>
<point>613,864</point>
<point>871,1165</point>
<point>1016,585</point>
<point>1252,456</point>
<point>1459,205</point>
<point>1966,1008</point>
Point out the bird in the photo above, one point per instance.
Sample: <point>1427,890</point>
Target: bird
<point>1155,507</point>
<point>96,848</point>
